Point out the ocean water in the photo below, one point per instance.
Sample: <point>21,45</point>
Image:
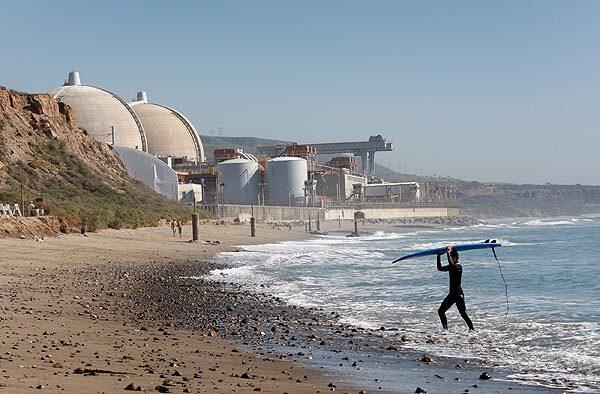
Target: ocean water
<point>551,266</point>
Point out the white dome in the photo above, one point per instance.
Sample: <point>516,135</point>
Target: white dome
<point>97,110</point>
<point>168,132</point>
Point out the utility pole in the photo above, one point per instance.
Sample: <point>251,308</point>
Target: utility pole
<point>194,223</point>
<point>252,224</point>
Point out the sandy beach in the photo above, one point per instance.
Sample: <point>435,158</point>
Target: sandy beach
<point>117,310</point>
<point>62,333</point>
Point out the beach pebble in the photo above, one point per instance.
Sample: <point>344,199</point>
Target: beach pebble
<point>420,390</point>
<point>132,387</point>
<point>485,376</point>
<point>427,359</point>
<point>405,338</point>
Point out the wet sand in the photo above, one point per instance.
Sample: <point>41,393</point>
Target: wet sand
<point>118,309</point>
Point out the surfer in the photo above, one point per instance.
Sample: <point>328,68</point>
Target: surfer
<point>456,295</point>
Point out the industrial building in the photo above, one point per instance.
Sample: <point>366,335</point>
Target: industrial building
<point>150,170</point>
<point>291,175</point>
<point>338,186</point>
<point>288,182</point>
<point>396,192</point>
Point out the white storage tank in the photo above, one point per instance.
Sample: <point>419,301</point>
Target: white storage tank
<point>285,180</point>
<point>238,181</point>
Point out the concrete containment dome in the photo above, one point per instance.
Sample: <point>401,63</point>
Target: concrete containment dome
<point>168,132</point>
<point>98,110</point>
<point>285,179</point>
<point>240,179</point>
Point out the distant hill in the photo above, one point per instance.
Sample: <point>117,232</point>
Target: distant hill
<point>510,200</point>
<point>482,200</point>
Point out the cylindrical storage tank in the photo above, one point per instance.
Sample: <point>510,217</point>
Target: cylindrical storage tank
<point>285,179</point>
<point>238,181</point>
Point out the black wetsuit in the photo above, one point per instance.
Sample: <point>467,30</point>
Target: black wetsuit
<point>456,295</point>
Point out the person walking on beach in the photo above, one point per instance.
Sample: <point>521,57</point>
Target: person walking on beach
<point>456,295</point>
<point>173,227</point>
<point>179,228</point>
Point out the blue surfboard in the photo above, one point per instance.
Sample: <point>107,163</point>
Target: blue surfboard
<point>471,246</point>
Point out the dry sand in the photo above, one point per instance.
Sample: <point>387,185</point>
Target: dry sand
<point>60,333</point>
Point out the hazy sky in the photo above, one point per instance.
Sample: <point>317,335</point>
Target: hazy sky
<point>492,91</point>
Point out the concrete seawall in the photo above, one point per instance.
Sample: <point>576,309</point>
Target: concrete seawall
<point>266,213</point>
<point>392,213</point>
<point>274,213</point>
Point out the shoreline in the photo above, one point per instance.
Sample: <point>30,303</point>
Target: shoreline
<point>372,357</point>
<point>123,301</point>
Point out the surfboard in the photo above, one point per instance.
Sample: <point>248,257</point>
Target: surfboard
<point>460,247</point>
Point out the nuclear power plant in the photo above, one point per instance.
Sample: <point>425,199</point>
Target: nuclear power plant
<point>163,149</point>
